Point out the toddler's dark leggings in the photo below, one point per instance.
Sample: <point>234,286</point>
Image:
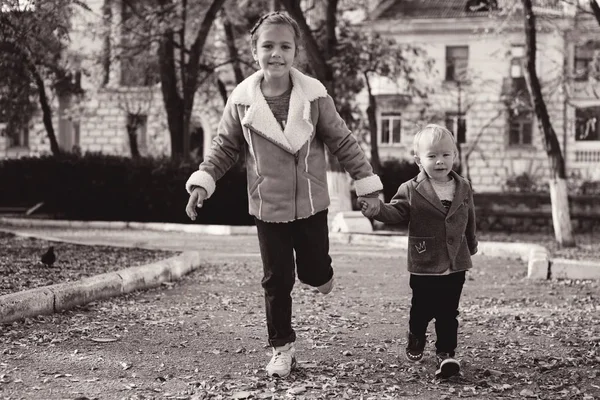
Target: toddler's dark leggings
<point>436,296</point>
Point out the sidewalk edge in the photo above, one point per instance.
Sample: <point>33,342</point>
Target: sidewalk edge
<point>65,296</point>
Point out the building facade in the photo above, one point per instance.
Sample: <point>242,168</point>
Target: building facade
<point>119,96</point>
<point>479,91</point>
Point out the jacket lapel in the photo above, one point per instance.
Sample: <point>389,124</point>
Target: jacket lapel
<point>259,117</point>
<point>461,193</point>
<point>425,189</point>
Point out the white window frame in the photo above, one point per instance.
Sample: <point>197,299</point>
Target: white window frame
<point>521,121</point>
<point>388,118</point>
<point>517,55</point>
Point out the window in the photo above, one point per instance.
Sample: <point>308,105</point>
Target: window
<point>391,127</point>
<point>457,124</point>
<point>520,128</point>
<point>517,55</point>
<point>15,115</point>
<point>587,124</point>
<point>20,137</point>
<point>457,60</point>
<point>582,63</point>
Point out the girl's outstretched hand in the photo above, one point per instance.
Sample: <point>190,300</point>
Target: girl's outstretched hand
<point>369,206</point>
<point>197,198</point>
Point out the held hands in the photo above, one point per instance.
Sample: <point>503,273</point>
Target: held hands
<point>369,206</point>
<point>197,198</point>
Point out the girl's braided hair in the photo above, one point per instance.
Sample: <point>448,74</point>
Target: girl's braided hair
<point>276,18</point>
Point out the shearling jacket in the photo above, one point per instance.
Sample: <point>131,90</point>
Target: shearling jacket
<point>439,240</point>
<point>286,168</point>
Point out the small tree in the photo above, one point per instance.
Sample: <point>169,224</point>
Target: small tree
<point>33,39</point>
<point>175,32</point>
<point>136,104</point>
<point>558,187</point>
<point>363,56</point>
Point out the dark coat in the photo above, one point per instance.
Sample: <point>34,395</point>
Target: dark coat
<point>438,239</point>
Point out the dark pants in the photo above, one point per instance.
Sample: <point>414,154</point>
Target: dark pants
<point>436,297</point>
<point>309,240</point>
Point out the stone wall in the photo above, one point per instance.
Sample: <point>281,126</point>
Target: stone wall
<point>102,122</point>
<point>532,212</point>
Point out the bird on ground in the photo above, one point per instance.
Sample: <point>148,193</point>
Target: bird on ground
<point>48,258</point>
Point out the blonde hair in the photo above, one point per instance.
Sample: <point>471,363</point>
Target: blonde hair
<point>276,18</point>
<point>434,133</point>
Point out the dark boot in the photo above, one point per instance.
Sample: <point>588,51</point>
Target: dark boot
<point>414,347</point>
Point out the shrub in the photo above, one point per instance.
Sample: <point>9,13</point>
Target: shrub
<point>106,187</point>
<point>394,173</point>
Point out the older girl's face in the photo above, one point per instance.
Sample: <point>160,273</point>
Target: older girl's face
<point>275,50</point>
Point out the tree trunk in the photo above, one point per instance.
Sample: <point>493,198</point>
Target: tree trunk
<point>133,123</point>
<point>372,117</point>
<point>191,70</point>
<point>595,9</point>
<point>232,49</point>
<point>561,218</point>
<point>179,106</point>
<point>222,90</point>
<point>106,50</point>
<point>317,61</point>
<point>133,144</point>
<point>46,110</point>
<point>172,101</point>
<point>560,203</point>
<point>337,178</point>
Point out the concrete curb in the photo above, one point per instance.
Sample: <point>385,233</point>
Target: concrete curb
<point>64,296</point>
<point>539,265</point>
<point>574,269</point>
<point>155,226</point>
<point>536,256</point>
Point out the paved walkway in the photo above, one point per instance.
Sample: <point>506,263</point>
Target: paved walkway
<point>204,336</point>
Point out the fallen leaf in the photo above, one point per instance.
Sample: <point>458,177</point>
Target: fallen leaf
<point>103,340</point>
<point>241,395</point>
<point>296,390</point>
<point>527,393</point>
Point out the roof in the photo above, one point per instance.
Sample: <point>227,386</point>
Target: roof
<point>400,9</point>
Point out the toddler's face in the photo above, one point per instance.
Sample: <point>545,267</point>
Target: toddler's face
<point>436,158</point>
<point>275,50</point>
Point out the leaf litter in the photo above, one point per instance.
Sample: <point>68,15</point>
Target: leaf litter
<point>518,339</point>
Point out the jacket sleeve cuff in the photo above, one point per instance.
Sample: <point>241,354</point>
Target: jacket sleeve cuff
<point>368,185</point>
<point>202,179</point>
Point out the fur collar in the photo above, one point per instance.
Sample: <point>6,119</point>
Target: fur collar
<point>259,118</point>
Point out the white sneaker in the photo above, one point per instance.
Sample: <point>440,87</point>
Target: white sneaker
<point>283,361</point>
<point>326,287</point>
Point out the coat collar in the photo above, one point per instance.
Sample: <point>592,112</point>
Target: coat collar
<point>425,188</point>
<point>259,118</point>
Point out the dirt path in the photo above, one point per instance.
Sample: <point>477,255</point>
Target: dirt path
<point>204,336</point>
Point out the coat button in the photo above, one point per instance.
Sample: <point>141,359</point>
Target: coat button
<point>450,241</point>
